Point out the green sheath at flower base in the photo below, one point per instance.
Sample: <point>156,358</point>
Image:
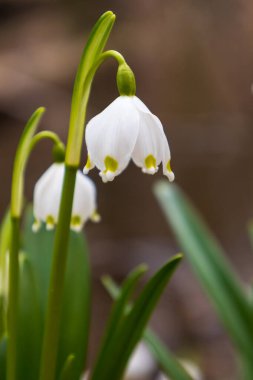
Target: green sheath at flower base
<point>126,80</point>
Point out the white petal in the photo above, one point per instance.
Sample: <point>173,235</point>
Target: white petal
<point>47,196</point>
<point>84,203</point>
<point>113,134</point>
<point>140,105</point>
<point>166,161</point>
<point>148,150</point>
<point>47,193</point>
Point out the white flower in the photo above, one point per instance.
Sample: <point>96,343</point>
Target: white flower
<point>126,129</point>
<point>141,364</point>
<point>47,196</point>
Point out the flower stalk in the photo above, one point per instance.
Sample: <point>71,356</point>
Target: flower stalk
<point>85,74</point>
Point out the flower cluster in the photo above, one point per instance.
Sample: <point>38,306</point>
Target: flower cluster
<point>125,130</point>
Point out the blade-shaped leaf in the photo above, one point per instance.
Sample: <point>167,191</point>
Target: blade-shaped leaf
<point>167,361</point>
<point>210,265</point>
<point>170,365</point>
<point>118,312</point>
<point>94,47</point>
<point>66,373</point>
<point>3,356</point>
<point>29,323</point>
<point>76,299</point>
<point>21,157</point>
<point>131,328</point>
<point>5,235</point>
<point>76,306</point>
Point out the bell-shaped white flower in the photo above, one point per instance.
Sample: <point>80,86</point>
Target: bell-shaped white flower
<point>47,197</point>
<point>126,129</point>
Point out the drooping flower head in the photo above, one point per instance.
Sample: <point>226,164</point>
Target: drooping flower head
<point>126,129</point>
<point>47,197</point>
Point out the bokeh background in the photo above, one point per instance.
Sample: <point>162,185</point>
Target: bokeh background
<point>193,62</point>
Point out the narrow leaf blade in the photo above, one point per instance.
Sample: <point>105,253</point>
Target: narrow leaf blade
<point>209,263</point>
<point>134,323</point>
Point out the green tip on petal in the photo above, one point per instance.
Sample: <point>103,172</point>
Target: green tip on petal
<point>50,223</point>
<point>76,223</point>
<point>111,165</point>
<point>150,162</point>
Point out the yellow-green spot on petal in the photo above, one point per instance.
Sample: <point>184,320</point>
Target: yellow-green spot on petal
<point>50,222</point>
<point>168,167</point>
<point>75,221</point>
<point>95,217</point>
<point>150,162</point>
<point>110,164</point>
<point>36,225</point>
<point>88,164</point>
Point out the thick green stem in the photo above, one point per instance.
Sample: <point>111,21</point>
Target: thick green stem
<point>12,300</point>
<point>51,335</point>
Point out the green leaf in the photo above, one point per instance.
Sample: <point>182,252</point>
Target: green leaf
<point>210,265</point>
<point>21,158</point>
<point>29,323</point>
<point>131,328</point>
<point>167,361</point>
<point>118,312</point>
<point>94,47</point>
<point>66,373</point>
<point>76,298</point>
<point>76,306</point>
<point>5,235</point>
<point>170,365</point>
<point>3,356</point>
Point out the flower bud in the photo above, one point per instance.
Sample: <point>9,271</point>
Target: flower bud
<point>126,80</point>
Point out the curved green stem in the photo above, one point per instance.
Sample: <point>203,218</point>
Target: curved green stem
<point>45,135</point>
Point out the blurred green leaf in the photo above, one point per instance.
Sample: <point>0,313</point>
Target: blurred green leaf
<point>5,234</point>
<point>76,306</point>
<point>117,313</point>
<point>132,325</point>
<point>210,265</point>
<point>66,373</point>
<point>29,323</point>
<point>76,298</point>
<point>3,355</point>
<point>167,361</point>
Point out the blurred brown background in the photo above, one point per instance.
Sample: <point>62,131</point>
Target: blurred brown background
<point>193,62</point>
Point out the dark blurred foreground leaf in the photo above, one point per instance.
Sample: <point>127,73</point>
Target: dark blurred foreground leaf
<point>35,272</point>
<point>130,326</point>
<point>67,371</point>
<point>5,234</point>
<point>167,361</point>
<point>211,267</point>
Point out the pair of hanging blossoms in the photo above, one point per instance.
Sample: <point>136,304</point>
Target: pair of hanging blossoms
<point>125,130</point>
